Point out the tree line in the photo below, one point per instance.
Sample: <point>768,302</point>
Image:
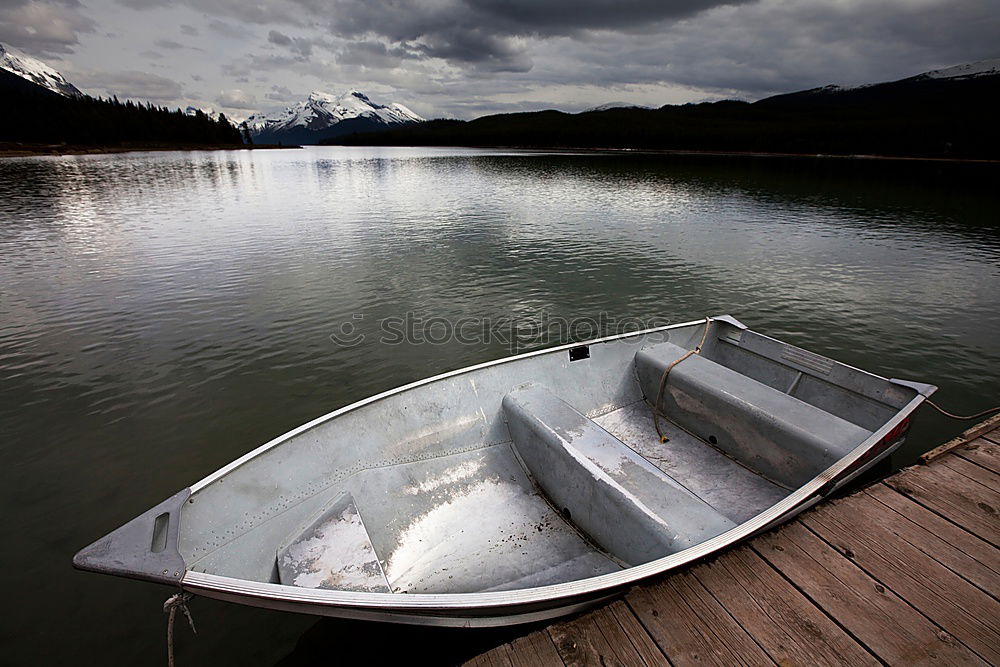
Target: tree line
<point>919,117</point>
<point>32,114</point>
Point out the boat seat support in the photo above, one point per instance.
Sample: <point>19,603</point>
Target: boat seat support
<point>783,438</point>
<point>623,502</point>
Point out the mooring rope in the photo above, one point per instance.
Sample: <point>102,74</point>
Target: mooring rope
<point>960,417</point>
<point>170,607</point>
<point>663,380</point>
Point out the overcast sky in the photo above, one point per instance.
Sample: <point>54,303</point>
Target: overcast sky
<point>465,58</point>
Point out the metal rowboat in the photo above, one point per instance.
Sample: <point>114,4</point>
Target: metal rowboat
<point>524,488</point>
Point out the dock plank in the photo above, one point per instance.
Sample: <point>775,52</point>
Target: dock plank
<point>981,451</point>
<point>781,619</point>
<point>973,471</point>
<point>691,626</point>
<point>635,633</point>
<point>875,615</point>
<point>495,658</point>
<point>955,548</point>
<point>948,493</point>
<point>533,650</point>
<point>954,604</point>
<point>982,429</point>
<point>905,571</point>
<point>597,638</point>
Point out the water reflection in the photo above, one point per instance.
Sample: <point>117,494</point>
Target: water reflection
<point>163,313</point>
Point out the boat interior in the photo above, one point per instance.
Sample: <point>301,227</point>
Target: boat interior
<point>543,469</point>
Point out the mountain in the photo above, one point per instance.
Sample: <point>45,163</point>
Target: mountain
<point>937,88</point>
<point>324,116</point>
<point>36,71</point>
<point>947,113</point>
<point>193,111</point>
<point>967,71</point>
<point>614,105</point>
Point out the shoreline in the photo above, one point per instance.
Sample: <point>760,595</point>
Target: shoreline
<point>708,153</point>
<point>29,150</point>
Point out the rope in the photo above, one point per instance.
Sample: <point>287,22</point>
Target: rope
<point>663,380</point>
<point>960,417</point>
<point>170,607</point>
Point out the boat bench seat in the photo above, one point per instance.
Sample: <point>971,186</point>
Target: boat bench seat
<point>779,436</point>
<point>624,503</point>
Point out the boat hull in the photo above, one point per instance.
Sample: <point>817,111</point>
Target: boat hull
<point>554,451</point>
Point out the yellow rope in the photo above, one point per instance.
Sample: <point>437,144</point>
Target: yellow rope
<point>663,380</point>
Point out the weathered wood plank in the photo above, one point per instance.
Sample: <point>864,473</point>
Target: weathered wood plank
<point>955,548</point>
<point>948,493</point>
<point>496,657</point>
<point>908,569</point>
<point>950,601</point>
<point>533,650</point>
<point>782,620</point>
<point>990,425</point>
<point>973,471</point>
<point>635,633</point>
<point>982,452</point>
<point>880,619</point>
<point>585,641</point>
<point>641,640</point>
<point>691,626</point>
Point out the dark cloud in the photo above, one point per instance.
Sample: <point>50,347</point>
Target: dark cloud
<point>493,34</point>
<point>263,12</point>
<point>279,94</point>
<point>371,53</point>
<point>487,34</point>
<point>279,38</point>
<point>43,28</point>
<point>303,47</point>
<point>465,57</point>
<point>131,85</point>
<point>771,47</point>
<point>152,55</point>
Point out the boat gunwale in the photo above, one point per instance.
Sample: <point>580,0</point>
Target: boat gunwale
<point>429,603</point>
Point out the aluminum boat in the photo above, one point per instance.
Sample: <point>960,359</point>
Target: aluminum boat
<point>524,488</point>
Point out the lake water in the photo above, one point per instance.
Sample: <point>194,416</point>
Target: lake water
<point>163,313</point>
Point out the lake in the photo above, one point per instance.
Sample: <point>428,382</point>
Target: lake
<point>163,313</point>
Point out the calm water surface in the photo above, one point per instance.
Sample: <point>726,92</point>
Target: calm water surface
<point>164,313</point>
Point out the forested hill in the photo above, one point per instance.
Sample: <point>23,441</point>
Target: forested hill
<point>31,114</point>
<point>930,115</point>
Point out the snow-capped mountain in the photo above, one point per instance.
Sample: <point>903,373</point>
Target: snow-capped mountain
<point>614,105</point>
<point>967,71</point>
<point>976,80</point>
<point>324,115</point>
<point>36,71</point>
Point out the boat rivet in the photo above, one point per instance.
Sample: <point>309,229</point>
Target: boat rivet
<point>165,571</point>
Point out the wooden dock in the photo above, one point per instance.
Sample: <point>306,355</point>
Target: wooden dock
<point>903,572</point>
